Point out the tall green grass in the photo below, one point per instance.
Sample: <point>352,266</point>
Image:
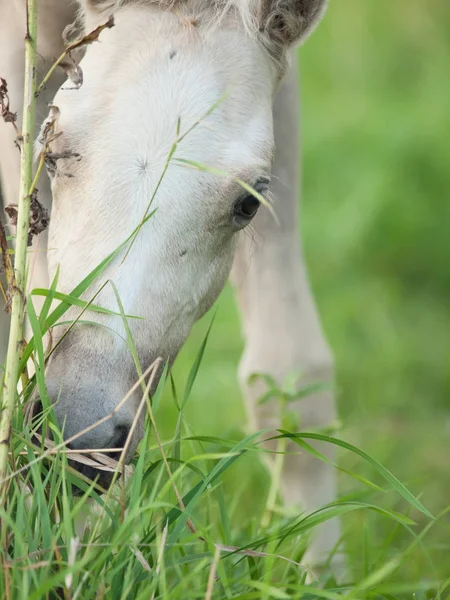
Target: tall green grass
<point>136,541</point>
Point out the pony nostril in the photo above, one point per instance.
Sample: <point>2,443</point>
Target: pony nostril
<point>120,436</point>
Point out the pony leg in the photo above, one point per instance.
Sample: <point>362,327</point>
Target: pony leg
<point>282,330</point>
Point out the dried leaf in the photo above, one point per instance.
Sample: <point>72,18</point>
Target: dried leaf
<point>141,558</point>
<point>11,211</point>
<point>7,115</point>
<point>39,218</point>
<point>111,464</point>
<point>48,126</point>
<point>92,36</point>
<point>98,460</point>
<point>73,547</point>
<point>52,157</point>
<point>47,135</point>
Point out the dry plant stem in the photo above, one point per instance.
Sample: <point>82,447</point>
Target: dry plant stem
<point>17,284</point>
<point>212,574</point>
<point>162,545</point>
<point>84,41</point>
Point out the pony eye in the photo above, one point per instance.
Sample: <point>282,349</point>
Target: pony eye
<point>247,207</point>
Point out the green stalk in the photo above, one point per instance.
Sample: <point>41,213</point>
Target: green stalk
<point>17,285</point>
<point>277,467</point>
<point>275,482</point>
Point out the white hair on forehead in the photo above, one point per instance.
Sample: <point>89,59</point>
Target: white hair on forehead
<point>213,10</point>
<point>277,24</point>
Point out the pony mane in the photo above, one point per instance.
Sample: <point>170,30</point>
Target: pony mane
<point>214,11</point>
<point>277,24</point>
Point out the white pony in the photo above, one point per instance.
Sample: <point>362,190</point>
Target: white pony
<point>211,68</point>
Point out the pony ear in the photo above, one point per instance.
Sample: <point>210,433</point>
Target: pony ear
<point>288,22</point>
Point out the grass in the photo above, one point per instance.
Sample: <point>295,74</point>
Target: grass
<point>374,216</point>
<point>137,543</point>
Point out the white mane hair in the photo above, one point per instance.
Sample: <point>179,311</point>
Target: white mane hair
<point>277,24</point>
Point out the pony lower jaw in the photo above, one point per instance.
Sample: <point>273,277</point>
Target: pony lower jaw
<point>103,478</point>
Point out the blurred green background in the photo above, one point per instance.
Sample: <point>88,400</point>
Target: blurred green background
<point>376,230</point>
